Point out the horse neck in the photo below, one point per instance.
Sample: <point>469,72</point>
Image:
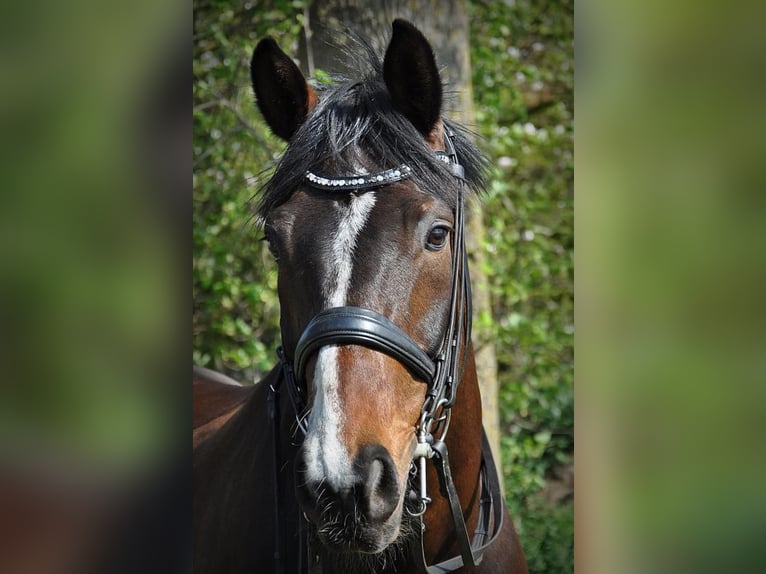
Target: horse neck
<point>464,446</point>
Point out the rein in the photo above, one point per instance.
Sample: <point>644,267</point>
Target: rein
<point>442,373</point>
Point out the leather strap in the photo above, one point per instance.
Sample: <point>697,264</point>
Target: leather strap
<point>448,491</point>
<point>272,408</point>
<point>470,553</point>
<point>355,325</point>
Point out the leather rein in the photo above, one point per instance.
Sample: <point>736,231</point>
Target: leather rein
<point>442,372</point>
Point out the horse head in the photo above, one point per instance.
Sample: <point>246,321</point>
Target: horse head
<point>363,215</point>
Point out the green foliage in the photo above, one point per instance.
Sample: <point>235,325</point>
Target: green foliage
<point>547,535</point>
<point>236,311</point>
<point>522,60</point>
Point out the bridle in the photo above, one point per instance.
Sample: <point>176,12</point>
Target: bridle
<point>442,372</point>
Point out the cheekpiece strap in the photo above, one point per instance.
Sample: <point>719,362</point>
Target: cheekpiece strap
<point>359,182</point>
<point>456,169</point>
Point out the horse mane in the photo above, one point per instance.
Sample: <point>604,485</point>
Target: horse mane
<point>355,129</point>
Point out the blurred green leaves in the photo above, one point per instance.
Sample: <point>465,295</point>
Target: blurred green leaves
<point>86,259</point>
<point>672,251</point>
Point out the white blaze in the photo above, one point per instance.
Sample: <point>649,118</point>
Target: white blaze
<point>327,457</point>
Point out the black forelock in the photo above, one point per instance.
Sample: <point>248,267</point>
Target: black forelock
<point>354,129</point>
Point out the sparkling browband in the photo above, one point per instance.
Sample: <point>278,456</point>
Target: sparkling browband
<point>359,182</point>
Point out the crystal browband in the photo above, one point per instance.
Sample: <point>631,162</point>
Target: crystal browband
<point>359,182</point>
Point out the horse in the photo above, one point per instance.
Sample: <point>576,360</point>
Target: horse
<point>363,449</point>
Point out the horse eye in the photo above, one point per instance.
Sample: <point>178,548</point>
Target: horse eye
<point>437,238</point>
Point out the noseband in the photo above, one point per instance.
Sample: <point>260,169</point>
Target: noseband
<point>358,326</point>
<point>441,372</point>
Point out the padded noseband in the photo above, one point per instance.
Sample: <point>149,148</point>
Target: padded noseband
<point>358,326</point>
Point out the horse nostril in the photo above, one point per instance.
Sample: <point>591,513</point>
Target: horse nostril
<point>374,476</point>
<point>371,493</point>
<point>377,476</point>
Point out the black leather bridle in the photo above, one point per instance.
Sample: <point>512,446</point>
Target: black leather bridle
<point>442,372</point>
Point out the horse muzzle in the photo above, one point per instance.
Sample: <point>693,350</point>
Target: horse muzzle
<point>363,513</point>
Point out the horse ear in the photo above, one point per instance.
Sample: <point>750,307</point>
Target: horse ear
<point>281,91</point>
<point>412,78</point>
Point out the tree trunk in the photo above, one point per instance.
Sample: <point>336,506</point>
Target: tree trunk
<point>445,24</point>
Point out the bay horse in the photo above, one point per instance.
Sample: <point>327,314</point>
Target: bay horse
<point>325,464</point>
